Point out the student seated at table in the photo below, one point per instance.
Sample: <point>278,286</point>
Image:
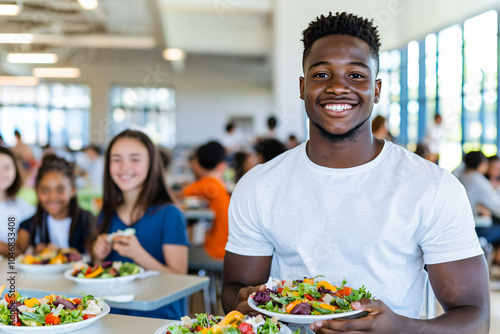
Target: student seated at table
<point>58,222</point>
<point>135,195</point>
<point>11,206</point>
<point>208,165</point>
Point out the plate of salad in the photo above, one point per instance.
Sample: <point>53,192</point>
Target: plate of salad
<point>233,323</point>
<point>51,314</point>
<point>48,261</point>
<point>106,274</point>
<point>304,301</point>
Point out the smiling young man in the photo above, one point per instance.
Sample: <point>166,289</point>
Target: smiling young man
<point>346,204</point>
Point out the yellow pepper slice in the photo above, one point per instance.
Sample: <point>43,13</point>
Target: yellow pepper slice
<point>31,302</point>
<point>328,307</point>
<point>326,285</point>
<point>309,280</point>
<point>230,318</point>
<point>95,273</point>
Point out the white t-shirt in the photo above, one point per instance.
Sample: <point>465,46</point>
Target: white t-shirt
<point>376,224</point>
<point>16,208</point>
<point>59,231</point>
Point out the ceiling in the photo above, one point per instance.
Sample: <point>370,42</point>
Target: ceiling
<point>128,30</point>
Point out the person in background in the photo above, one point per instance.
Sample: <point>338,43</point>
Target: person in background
<point>272,122</point>
<point>136,196</point>
<point>94,166</point>
<point>166,160</point>
<point>208,165</point>
<point>422,151</point>
<point>292,142</point>
<point>435,137</point>
<point>493,172</point>
<point>484,200</point>
<point>380,129</point>
<point>243,162</point>
<point>10,206</point>
<point>25,155</point>
<point>347,204</point>
<point>268,149</point>
<point>58,222</point>
<point>230,140</point>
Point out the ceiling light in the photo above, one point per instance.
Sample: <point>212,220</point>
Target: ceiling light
<point>16,38</point>
<point>32,58</point>
<point>18,81</point>
<point>48,72</point>
<point>88,4</point>
<point>174,54</point>
<point>10,10</point>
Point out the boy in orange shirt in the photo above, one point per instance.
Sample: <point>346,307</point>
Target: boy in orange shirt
<point>209,164</point>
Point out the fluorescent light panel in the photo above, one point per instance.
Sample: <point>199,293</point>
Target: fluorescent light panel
<point>16,38</point>
<point>48,72</point>
<point>9,10</point>
<point>88,4</point>
<point>32,58</point>
<point>174,54</point>
<point>18,81</point>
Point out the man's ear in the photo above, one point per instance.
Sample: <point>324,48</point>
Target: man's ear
<point>378,87</point>
<point>301,86</point>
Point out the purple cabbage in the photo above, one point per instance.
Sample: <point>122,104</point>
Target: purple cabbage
<point>302,308</point>
<point>323,290</point>
<point>67,304</point>
<point>73,257</point>
<point>106,264</point>
<point>262,297</point>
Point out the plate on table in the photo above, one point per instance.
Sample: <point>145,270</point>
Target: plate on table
<point>103,282</point>
<point>163,329</point>
<point>43,268</point>
<point>307,319</point>
<point>66,328</point>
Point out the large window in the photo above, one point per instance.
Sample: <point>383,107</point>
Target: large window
<point>151,110</point>
<point>52,114</point>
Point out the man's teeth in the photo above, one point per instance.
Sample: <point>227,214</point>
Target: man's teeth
<point>338,107</point>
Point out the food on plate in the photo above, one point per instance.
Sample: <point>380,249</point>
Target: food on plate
<point>48,311</point>
<point>308,297</point>
<point>234,323</point>
<point>108,269</point>
<point>49,256</point>
<point>120,233</point>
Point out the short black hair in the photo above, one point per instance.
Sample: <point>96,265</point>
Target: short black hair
<point>210,155</point>
<point>270,148</point>
<point>229,127</point>
<point>342,24</point>
<point>272,122</point>
<point>474,158</point>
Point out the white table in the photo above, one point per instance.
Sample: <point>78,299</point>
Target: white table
<point>120,324</point>
<point>150,293</point>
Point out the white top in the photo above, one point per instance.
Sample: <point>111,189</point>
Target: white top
<point>376,224</point>
<point>59,231</point>
<point>435,137</point>
<point>480,191</point>
<point>17,208</point>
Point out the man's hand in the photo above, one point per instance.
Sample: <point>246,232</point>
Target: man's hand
<point>380,319</point>
<point>243,294</point>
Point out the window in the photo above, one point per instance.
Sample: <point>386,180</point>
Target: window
<point>151,110</point>
<point>56,114</point>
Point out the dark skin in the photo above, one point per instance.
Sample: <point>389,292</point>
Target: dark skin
<point>340,71</point>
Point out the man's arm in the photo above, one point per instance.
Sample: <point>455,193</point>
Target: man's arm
<point>462,289</point>
<point>242,275</point>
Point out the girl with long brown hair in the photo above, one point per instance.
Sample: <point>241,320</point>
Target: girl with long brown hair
<point>136,196</point>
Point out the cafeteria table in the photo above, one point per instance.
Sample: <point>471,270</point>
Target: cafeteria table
<point>150,293</point>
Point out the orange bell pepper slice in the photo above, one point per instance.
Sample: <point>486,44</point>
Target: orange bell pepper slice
<point>94,273</point>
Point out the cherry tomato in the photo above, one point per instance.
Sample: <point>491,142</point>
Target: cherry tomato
<point>88,316</point>
<point>245,328</point>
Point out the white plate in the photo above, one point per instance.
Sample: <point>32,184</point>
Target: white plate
<point>305,319</point>
<point>103,282</point>
<point>56,329</point>
<point>43,268</point>
<point>163,329</point>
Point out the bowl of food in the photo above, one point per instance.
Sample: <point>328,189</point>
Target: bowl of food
<point>107,274</point>
<point>48,261</point>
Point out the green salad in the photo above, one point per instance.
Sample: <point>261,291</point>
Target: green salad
<point>108,269</point>
<point>51,310</point>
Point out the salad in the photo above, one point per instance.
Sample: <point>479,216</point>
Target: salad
<point>308,297</point>
<point>49,256</point>
<point>108,269</point>
<point>48,311</point>
<point>233,323</point>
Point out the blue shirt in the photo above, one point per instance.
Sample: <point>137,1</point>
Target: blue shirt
<point>160,225</point>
